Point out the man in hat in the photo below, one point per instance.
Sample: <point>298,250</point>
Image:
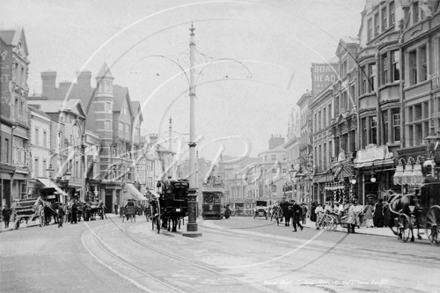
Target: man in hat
<point>61,214</point>
<point>6,213</point>
<point>296,216</point>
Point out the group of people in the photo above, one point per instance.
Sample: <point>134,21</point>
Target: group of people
<point>291,211</point>
<point>356,214</point>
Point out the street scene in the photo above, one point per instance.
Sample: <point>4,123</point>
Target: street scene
<point>220,146</point>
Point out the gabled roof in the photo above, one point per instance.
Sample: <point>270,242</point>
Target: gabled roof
<point>121,94</point>
<point>56,106</point>
<point>38,111</point>
<point>12,36</point>
<point>136,106</point>
<point>343,44</point>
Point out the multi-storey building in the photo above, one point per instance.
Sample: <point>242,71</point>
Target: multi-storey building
<point>273,170</point>
<point>40,135</point>
<point>344,123</point>
<point>67,158</point>
<point>304,169</point>
<point>321,108</point>
<point>292,151</point>
<point>420,100</point>
<point>14,132</point>
<point>379,84</point>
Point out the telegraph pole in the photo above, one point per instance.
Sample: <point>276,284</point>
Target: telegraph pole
<point>191,227</point>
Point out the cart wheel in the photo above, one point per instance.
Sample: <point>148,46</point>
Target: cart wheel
<point>432,225</point>
<point>404,228</point>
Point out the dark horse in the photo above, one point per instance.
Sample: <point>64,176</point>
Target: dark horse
<point>398,210</point>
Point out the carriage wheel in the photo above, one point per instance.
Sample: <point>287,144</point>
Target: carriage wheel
<point>404,227</point>
<point>432,225</point>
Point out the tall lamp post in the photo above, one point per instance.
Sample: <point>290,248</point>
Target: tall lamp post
<point>191,228</point>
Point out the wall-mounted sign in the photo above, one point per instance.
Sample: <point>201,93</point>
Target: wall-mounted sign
<point>372,153</point>
<point>323,74</point>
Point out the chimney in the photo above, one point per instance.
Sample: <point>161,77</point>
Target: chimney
<point>84,78</point>
<point>63,87</point>
<point>275,141</point>
<point>49,80</point>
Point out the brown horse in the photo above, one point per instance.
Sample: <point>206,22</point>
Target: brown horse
<point>396,208</point>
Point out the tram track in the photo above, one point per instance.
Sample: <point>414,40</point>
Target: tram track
<point>159,281</point>
<point>126,262</point>
<point>237,282</point>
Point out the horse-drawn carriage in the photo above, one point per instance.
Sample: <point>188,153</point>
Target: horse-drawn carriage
<point>42,208</point>
<point>172,205</point>
<point>420,208</point>
<point>261,209</point>
<point>130,211</point>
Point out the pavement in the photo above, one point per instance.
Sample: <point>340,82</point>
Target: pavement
<point>384,231</point>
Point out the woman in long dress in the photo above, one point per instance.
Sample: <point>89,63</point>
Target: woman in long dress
<point>368,216</point>
<point>378,214</point>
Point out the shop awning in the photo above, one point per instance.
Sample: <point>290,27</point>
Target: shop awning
<point>134,193</point>
<point>50,183</point>
<point>156,195</point>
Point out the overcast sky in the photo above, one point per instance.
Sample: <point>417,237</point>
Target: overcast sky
<point>252,50</point>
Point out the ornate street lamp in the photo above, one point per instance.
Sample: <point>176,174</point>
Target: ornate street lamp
<point>373,179</point>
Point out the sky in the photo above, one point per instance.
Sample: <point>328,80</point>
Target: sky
<point>253,58</point>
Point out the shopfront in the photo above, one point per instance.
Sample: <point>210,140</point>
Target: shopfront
<point>375,167</point>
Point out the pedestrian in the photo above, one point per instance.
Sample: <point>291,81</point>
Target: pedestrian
<point>116,209</point>
<point>368,215</point>
<point>74,220</point>
<point>351,218</point>
<point>6,213</point>
<point>358,209</point>
<point>312,211</point>
<point>285,208</point>
<point>61,213</point>
<point>378,219</point>
<point>319,211</point>
<point>296,216</point>
<point>303,213</point>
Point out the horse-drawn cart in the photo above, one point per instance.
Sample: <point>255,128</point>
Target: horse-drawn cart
<point>24,210</point>
<point>422,211</point>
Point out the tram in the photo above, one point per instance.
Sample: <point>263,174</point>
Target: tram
<point>213,205</point>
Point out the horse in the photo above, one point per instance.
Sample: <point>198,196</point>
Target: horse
<point>277,213</point>
<point>39,207</point>
<point>396,205</point>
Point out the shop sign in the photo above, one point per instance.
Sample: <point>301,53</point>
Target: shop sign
<point>6,78</point>
<point>372,153</point>
<point>323,74</point>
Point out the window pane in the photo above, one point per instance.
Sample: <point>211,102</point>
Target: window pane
<point>418,134</point>
<point>418,112</point>
<point>410,136</point>
<point>423,64</point>
<point>426,110</point>
<point>396,65</point>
